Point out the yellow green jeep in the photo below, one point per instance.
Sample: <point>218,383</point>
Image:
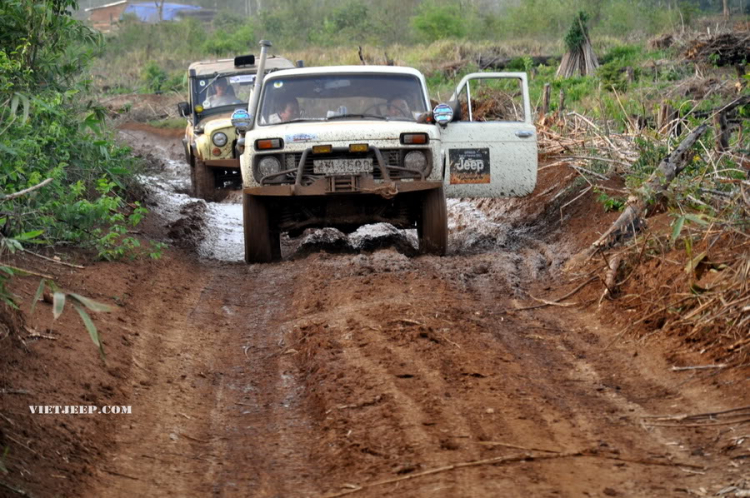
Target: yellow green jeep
<point>217,88</point>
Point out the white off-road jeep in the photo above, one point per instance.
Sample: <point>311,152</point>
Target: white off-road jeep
<point>347,146</point>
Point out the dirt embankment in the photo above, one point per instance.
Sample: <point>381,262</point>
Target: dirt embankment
<point>366,374</point>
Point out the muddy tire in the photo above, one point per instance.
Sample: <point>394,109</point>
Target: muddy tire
<point>262,243</point>
<point>432,228</point>
<point>204,181</point>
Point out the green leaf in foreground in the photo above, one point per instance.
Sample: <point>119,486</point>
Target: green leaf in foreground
<point>677,229</point>
<point>58,304</point>
<point>38,294</point>
<point>91,304</point>
<point>93,333</point>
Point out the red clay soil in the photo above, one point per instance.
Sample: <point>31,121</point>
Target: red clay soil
<point>363,375</point>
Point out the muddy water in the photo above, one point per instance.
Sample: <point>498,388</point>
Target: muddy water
<point>472,229</point>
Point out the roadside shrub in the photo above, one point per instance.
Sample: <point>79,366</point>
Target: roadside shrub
<point>223,43</point>
<point>48,130</point>
<point>348,23</point>
<point>437,22</point>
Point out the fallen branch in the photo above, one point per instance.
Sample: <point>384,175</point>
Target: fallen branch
<point>610,281</point>
<point>26,251</point>
<point>20,193</point>
<point>18,491</point>
<point>516,447</point>
<point>511,459</point>
<point>28,272</point>
<point>566,296</point>
<point>654,188</point>
<point>708,424</point>
<point>698,415</point>
<point>698,367</point>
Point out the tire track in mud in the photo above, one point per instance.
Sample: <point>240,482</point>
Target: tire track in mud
<point>422,368</point>
<point>331,371</point>
<point>216,406</point>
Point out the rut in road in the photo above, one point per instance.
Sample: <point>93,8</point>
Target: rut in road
<point>316,376</point>
<point>330,372</point>
<point>217,410</point>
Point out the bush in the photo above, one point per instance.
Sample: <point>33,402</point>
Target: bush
<point>437,22</point>
<point>49,130</point>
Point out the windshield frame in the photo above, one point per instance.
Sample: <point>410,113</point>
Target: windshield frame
<point>422,99</point>
<point>195,91</point>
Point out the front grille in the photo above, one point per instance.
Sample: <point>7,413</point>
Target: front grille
<point>343,184</point>
<point>392,157</point>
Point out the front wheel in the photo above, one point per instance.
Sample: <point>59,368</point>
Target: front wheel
<point>262,245</point>
<point>204,181</point>
<point>433,225</point>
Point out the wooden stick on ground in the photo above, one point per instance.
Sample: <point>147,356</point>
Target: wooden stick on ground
<point>566,296</point>
<point>20,193</point>
<point>29,272</point>
<point>511,459</point>
<point>26,251</point>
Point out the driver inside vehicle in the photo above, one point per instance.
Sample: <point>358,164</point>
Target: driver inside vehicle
<point>397,107</point>
<point>288,111</point>
<point>223,94</point>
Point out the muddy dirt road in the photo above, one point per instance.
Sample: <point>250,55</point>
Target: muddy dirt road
<point>343,371</point>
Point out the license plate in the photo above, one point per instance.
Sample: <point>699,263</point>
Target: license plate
<point>331,167</point>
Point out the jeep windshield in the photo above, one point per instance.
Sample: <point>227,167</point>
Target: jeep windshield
<point>222,93</point>
<point>327,97</point>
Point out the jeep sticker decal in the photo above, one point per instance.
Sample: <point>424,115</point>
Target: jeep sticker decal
<point>300,137</point>
<point>469,165</point>
<point>242,78</point>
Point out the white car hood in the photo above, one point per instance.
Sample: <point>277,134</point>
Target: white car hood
<point>339,132</point>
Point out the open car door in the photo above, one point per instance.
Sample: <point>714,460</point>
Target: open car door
<point>490,147</point>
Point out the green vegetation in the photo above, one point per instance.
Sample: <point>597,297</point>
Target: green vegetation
<point>401,28</point>
<point>52,134</point>
<point>437,22</point>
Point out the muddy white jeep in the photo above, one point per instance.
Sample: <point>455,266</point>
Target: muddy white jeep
<point>216,89</point>
<point>352,145</point>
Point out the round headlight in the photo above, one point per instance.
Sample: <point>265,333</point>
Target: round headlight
<point>416,160</point>
<point>267,166</point>
<point>219,139</point>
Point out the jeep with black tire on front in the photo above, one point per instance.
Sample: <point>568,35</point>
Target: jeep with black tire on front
<point>216,89</point>
<point>347,146</point>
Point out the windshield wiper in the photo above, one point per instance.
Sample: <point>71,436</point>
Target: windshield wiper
<point>300,120</point>
<point>345,116</point>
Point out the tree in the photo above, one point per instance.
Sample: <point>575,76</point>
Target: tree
<point>160,9</point>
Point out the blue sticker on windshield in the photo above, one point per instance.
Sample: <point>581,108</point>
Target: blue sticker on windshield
<point>300,137</point>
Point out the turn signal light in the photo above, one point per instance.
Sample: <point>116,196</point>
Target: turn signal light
<point>216,151</point>
<point>414,138</point>
<point>322,149</point>
<point>269,144</point>
<point>358,147</point>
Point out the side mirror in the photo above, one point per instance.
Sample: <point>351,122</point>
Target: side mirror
<point>183,108</point>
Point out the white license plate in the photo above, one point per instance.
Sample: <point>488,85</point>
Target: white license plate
<point>330,167</point>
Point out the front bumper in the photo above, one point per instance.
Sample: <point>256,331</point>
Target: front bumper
<point>391,179</point>
<point>223,163</point>
<point>361,185</point>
